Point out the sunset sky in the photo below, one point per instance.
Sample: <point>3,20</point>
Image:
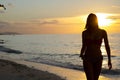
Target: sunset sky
<point>57,16</point>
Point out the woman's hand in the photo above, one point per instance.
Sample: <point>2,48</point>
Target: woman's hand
<point>109,65</point>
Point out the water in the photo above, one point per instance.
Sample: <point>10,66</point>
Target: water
<point>59,49</point>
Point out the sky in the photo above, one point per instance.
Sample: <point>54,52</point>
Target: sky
<point>56,16</point>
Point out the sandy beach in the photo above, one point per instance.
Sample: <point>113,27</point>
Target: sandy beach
<point>23,70</point>
<point>16,69</point>
<point>13,71</point>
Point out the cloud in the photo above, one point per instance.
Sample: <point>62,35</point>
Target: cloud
<point>34,23</point>
<point>114,17</point>
<point>4,24</point>
<point>41,25</point>
<point>44,21</point>
<point>21,23</point>
<point>10,5</point>
<point>1,11</point>
<point>117,7</point>
<point>49,22</point>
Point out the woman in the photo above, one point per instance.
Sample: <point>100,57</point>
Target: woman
<point>90,53</point>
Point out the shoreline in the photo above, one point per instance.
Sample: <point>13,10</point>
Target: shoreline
<point>61,73</point>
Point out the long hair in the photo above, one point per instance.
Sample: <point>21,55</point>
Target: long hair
<point>92,22</point>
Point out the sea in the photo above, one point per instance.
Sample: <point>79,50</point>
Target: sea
<point>59,50</point>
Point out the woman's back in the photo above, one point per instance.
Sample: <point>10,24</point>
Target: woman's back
<point>93,41</point>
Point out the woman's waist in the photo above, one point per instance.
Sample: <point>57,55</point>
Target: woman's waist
<point>93,50</point>
<point>93,54</point>
<point>93,58</point>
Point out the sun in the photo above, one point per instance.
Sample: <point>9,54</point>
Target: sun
<point>103,20</point>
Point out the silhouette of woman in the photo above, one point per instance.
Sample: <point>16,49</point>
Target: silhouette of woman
<point>90,52</point>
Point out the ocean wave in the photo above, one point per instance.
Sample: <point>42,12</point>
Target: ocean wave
<point>8,50</point>
<point>72,66</point>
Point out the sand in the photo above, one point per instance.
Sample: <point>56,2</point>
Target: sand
<point>12,69</point>
<point>68,74</point>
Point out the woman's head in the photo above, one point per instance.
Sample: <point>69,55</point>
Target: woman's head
<point>92,22</point>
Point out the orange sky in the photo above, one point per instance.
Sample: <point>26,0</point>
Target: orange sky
<point>57,16</point>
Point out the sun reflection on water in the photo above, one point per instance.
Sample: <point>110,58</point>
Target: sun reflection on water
<point>104,54</point>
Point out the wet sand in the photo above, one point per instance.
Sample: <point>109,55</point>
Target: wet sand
<point>13,71</point>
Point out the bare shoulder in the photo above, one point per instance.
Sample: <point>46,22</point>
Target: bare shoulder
<point>84,32</point>
<point>101,31</point>
<point>104,33</point>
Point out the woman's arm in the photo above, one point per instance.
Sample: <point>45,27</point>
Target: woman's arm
<point>83,46</point>
<point>107,47</point>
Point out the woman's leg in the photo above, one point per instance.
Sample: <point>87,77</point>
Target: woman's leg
<point>97,69</point>
<point>88,68</point>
